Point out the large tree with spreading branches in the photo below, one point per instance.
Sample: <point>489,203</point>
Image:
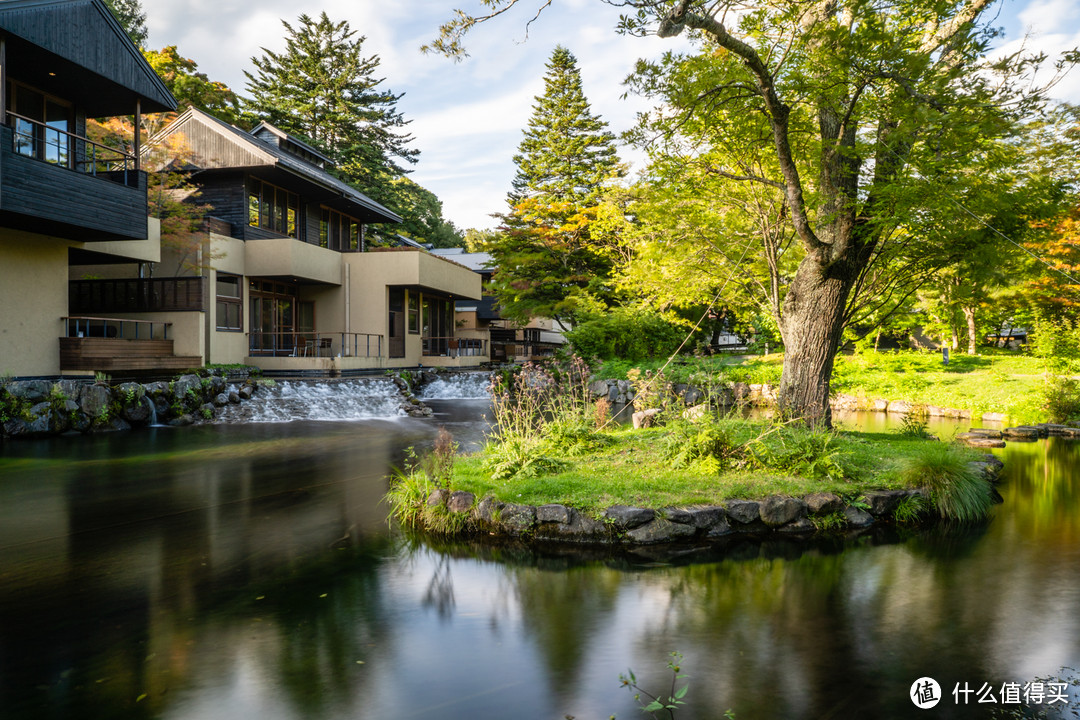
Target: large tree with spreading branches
<point>878,97</point>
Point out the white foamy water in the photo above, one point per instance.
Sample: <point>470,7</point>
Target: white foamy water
<point>290,400</point>
<point>458,386</point>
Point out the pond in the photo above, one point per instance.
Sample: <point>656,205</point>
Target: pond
<point>248,571</point>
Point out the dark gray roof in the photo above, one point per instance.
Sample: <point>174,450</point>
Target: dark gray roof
<point>86,34</point>
<point>250,151</point>
<point>477,262</point>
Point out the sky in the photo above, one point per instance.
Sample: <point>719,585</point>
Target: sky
<point>467,117</point>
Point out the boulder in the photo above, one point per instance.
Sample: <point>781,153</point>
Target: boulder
<point>880,405</point>
<point>661,530</point>
<point>599,388</point>
<point>460,501</point>
<point>30,391</point>
<point>138,413</point>
<point>182,421</point>
<point>677,515</point>
<point>112,424</point>
<point>708,517</point>
<point>438,497</point>
<point>246,391</point>
<point>1023,432</point>
<point>982,432</point>
<point>646,418</point>
<point>696,413</point>
<point>777,511</point>
<point>579,528</point>
<point>823,503</point>
<point>220,400</point>
<point>187,388</point>
<point>693,395</point>
<point>883,502</point>
<point>802,525</point>
<point>979,442</point>
<point>93,400</point>
<point>858,517</point>
<point>625,517</point>
<point>995,417</point>
<point>900,407</point>
<point>234,397</point>
<point>517,519</point>
<point>553,513</point>
<point>743,511</point>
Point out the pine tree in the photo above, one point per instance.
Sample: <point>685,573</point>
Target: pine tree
<point>551,258</point>
<point>322,88</point>
<point>132,18</point>
<point>567,153</point>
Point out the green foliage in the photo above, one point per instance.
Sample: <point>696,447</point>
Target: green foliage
<point>553,247</point>
<point>192,88</point>
<point>1061,399</point>
<point>572,435</point>
<point>438,465</point>
<point>132,17</point>
<point>833,522</point>
<point>421,211</point>
<point>706,446</point>
<point>910,510</point>
<point>913,425</point>
<point>323,88</point>
<point>567,153</point>
<point>408,500</point>
<point>628,334</point>
<point>667,703</point>
<point>1056,341</point>
<point>798,451</point>
<point>958,489</point>
<point>518,458</point>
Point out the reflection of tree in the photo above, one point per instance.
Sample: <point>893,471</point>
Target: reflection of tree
<point>566,611</point>
<point>440,589</point>
<point>329,617</point>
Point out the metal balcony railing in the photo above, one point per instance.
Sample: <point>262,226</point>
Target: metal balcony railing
<point>53,145</point>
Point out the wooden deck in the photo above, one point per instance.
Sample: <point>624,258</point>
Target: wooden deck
<point>110,354</point>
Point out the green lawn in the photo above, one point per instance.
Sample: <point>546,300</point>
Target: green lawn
<point>637,468</point>
<point>994,381</point>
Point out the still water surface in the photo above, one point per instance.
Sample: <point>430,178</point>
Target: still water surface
<point>248,571</point>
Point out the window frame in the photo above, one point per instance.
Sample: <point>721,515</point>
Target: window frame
<point>225,301</point>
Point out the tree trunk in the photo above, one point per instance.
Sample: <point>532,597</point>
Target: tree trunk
<point>969,315</point>
<point>955,335</point>
<point>813,323</point>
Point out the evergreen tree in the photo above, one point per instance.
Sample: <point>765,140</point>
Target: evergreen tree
<point>551,258</point>
<point>567,152</point>
<point>324,89</point>
<point>132,18</point>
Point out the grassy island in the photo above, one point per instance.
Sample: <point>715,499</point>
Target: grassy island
<point>556,445</point>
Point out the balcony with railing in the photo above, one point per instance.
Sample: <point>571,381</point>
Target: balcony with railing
<point>119,344</point>
<point>59,183</point>
<point>315,344</point>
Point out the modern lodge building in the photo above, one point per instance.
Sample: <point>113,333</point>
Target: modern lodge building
<point>284,277</point>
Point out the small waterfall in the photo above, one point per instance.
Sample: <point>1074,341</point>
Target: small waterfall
<point>458,386</point>
<point>289,400</point>
<point>153,410</point>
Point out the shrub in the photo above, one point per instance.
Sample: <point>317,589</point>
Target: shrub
<point>518,457</point>
<point>798,451</point>
<point>1061,400</point>
<point>626,333</point>
<point>706,446</point>
<point>958,488</point>
<point>573,435</point>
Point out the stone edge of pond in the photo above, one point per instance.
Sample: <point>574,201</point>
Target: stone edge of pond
<point>32,409</point>
<point>629,525</point>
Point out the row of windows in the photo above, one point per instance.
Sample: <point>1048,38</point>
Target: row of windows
<point>272,208</point>
<point>230,303</point>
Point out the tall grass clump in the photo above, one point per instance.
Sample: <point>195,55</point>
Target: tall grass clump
<point>541,410</point>
<point>412,486</point>
<point>798,451</point>
<point>958,488</point>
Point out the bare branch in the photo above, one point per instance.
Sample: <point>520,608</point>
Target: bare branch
<point>937,35</point>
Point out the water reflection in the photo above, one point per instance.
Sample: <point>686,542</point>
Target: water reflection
<point>248,571</point>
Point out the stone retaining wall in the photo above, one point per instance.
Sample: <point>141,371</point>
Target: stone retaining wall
<point>621,524</point>
<point>40,408</point>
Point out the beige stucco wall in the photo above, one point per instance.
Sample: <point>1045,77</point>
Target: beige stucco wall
<point>286,257</point>
<point>148,250</point>
<point>414,267</point>
<point>34,296</point>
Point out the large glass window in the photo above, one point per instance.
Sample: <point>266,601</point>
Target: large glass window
<point>41,125</point>
<point>272,208</point>
<point>338,231</point>
<point>414,311</point>
<point>229,303</point>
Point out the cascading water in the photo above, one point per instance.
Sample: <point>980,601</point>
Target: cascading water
<point>289,400</point>
<point>458,386</point>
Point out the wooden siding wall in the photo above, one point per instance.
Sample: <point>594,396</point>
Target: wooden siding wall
<point>81,33</point>
<point>92,208</point>
<point>213,148</point>
<point>104,297</point>
<point>226,197</point>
